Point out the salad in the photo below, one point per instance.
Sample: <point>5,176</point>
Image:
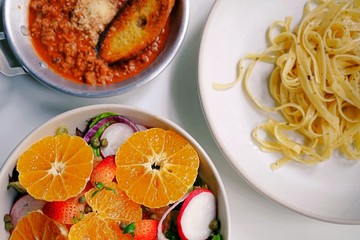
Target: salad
<point>115,179</point>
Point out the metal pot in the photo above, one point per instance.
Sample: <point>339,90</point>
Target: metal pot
<point>15,21</point>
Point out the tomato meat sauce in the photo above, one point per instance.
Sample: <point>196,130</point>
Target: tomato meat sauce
<point>65,33</point>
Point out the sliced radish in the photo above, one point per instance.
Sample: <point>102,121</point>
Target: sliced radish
<point>195,215</point>
<point>115,135</point>
<point>24,205</point>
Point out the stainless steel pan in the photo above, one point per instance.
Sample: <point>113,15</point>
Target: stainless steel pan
<point>15,21</point>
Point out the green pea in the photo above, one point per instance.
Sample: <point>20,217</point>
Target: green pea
<point>95,142</point>
<point>104,142</point>
<point>82,200</point>
<point>75,220</point>
<point>214,225</point>
<point>7,218</point>
<point>122,225</point>
<point>87,209</point>
<point>9,226</point>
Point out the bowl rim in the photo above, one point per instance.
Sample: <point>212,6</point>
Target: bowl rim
<point>15,22</point>
<point>128,111</point>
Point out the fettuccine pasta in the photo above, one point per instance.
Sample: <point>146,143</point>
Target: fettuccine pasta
<point>315,84</point>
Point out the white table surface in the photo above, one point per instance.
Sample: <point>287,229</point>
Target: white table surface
<point>25,104</point>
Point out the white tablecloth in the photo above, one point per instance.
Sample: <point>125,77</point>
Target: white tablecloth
<point>25,104</point>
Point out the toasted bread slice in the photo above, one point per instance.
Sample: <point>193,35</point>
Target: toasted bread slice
<point>133,28</point>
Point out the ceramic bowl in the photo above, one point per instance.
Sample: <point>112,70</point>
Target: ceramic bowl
<point>77,118</point>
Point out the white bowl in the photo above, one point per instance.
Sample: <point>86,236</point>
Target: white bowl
<point>77,118</point>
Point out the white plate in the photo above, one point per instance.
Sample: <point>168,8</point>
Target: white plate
<point>329,191</point>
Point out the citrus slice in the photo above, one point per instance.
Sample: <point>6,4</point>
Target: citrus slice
<point>36,225</point>
<point>110,206</point>
<point>56,167</point>
<point>113,203</point>
<point>95,227</point>
<point>156,167</point>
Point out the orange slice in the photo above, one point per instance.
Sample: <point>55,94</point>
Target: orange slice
<point>36,225</point>
<point>56,167</point>
<point>113,203</point>
<point>156,167</point>
<point>95,227</point>
<point>110,207</point>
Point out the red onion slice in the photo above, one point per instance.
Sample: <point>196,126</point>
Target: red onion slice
<point>111,119</point>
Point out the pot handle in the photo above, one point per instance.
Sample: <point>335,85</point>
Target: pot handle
<point>5,67</point>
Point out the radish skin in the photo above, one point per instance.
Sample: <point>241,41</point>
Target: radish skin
<point>196,213</point>
<point>160,234</point>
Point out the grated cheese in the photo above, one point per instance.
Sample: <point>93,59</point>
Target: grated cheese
<point>93,15</point>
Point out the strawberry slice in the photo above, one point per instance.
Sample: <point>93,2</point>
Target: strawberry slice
<point>104,172</point>
<point>65,212</point>
<point>145,229</point>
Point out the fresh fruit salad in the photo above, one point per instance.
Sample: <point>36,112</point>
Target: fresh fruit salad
<point>115,179</point>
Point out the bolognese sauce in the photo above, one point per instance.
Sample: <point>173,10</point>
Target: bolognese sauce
<point>65,33</point>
